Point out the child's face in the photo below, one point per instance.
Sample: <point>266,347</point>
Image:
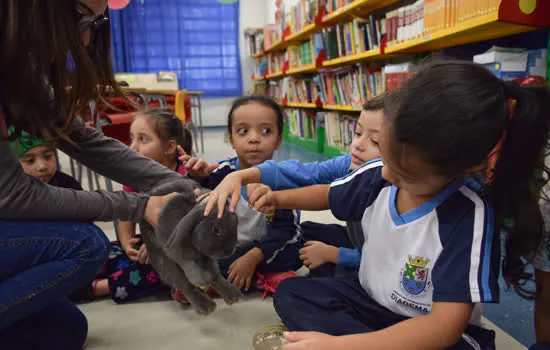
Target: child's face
<point>40,162</point>
<point>408,171</point>
<point>146,142</point>
<point>254,134</point>
<point>364,146</point>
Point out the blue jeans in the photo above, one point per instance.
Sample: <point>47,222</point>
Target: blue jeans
<point>41,263</point>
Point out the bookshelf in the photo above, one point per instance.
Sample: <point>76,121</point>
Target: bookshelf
<point>445,29</point>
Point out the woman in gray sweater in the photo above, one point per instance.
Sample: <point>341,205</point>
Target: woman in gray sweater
<point>48,248</point>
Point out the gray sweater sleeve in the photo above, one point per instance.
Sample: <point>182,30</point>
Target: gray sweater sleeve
<point>23,197</point>
<point>113,159</point>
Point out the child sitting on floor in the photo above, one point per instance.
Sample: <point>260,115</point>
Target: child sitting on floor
<point>128,275</point>
<point>431,252</point>
<point>267,244</point>
<point>37,158</point>
<point>324,243</point>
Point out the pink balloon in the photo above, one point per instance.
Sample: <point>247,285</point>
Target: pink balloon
<point>118,4</point>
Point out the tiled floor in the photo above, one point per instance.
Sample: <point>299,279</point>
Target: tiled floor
<point>158,323</point>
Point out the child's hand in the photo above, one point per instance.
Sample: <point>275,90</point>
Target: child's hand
<point>316,254</point>
<point>230,187</point>
<point>309,341</point>
<point>242,270</point>
<point>262,198</point>
<point>196,167</point>
<point>143,257</point>
<point>130,249</point>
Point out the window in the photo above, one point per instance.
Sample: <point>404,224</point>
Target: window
<point>196,39</point>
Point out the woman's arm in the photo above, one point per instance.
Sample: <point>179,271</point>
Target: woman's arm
<point>113,159</point>
<point>26,198</point>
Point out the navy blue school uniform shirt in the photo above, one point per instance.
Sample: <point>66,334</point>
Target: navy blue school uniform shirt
<point>271,233</point>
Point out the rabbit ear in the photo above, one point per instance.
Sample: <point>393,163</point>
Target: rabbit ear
<point>182,233</point>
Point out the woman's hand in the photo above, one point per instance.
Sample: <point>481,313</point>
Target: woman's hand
<point>262,198</point>
<point>230,187</point>
<point>154,206</point>
<point>309,341</point>
<point>196,167</point>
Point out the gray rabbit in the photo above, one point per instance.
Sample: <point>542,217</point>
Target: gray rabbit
<point>186,246</point>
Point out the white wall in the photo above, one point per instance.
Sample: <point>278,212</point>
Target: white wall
<point>253,13</point>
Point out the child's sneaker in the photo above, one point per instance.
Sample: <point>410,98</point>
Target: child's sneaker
<point>269,338</point>
<point>270,281</point>
<point>178,296</point>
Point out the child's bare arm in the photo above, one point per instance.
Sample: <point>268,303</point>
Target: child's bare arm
<point>440,329</point>
<point>305,198</point>
<point>315,254</point>
<point>230,187</point>
<point>128,240</point>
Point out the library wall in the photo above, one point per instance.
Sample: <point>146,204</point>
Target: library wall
<point>252,14</point>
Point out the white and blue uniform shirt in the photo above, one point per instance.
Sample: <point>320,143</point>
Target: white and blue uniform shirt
<point>445,250</point>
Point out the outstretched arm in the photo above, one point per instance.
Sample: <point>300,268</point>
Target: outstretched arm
<point>305,198</point>
<point>440,329</point>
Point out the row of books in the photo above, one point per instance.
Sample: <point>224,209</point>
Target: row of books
<point>305,53</point>
<point>261,67</point>
<point>333,5</point>
<point>303,14</point>
<point>255,43</point>
<point>349,86</point>
<point>339,128</point>
<point>301,90</point>
<point>272,34</point>
<point>301,123</point>
<point>275,62</point>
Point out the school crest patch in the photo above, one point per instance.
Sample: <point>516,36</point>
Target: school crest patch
<point>414,277</point>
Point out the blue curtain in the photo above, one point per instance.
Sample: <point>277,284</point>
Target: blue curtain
<point>196,39</point>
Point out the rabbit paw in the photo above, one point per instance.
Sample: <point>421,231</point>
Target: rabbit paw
<point>201,302</point>
<point>229,292</point>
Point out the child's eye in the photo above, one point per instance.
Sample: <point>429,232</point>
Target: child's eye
<point>357,133</point>
<point>143,139</point>
<point>266,131</point>
<point>374,142</point>
<point>242,131</point>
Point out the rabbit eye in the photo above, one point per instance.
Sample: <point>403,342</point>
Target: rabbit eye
<point>216,230</point>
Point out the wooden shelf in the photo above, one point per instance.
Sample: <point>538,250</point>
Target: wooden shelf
<point>304,33</point>
<point>478,29</point>
<point>275,75</point>
<point>277,46</point>
<point>354,58</point>
<point>342,108</point>
<point>358,7</point>
<point>301,105</point>
<point>310,68</point>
